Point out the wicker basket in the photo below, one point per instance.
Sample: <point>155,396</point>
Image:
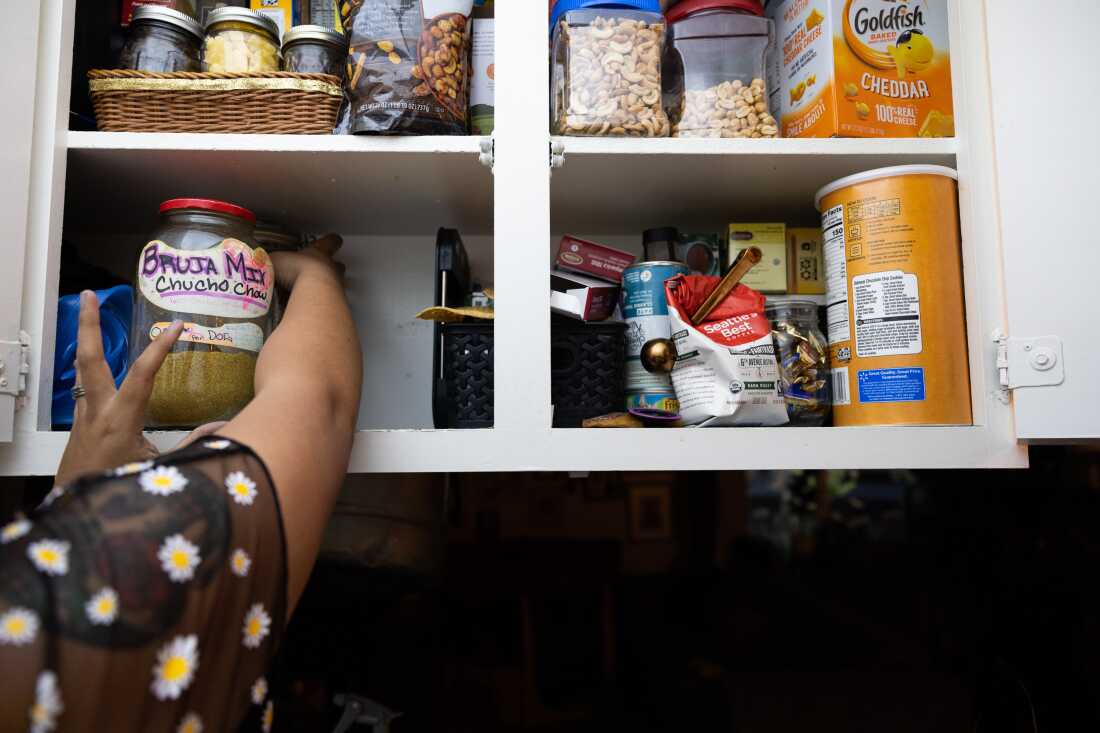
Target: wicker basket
<point>276,102</point>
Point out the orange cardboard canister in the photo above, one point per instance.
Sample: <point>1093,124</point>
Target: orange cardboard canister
<point>861,68</point>
<point>893,268</point>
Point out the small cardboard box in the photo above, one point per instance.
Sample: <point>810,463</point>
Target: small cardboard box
<point>806,261</point>
<point>770,276</point>
<point>579,296</point>
<point>591,258</point>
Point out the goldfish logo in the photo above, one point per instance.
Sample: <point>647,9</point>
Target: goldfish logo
<point>912,53</point>
<point>889,34</point>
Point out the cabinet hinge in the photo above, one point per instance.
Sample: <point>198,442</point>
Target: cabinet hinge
<point>557,154</point>
<point>1028,362</point>
<point>15,365</point>
<point>487,157</point>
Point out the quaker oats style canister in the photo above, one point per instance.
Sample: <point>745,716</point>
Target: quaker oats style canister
<point>645,311</point>
<point>896,323</point>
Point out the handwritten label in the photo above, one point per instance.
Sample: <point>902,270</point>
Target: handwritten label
<point>244,336</point>
<point>230,280</point>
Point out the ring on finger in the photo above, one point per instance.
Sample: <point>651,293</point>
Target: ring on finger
<point>78,391</point>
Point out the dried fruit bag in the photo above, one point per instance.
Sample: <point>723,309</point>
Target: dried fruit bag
<point>726,372</point>
<point>408,66</point>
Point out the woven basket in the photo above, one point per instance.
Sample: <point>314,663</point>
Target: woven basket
<point>279,102</point>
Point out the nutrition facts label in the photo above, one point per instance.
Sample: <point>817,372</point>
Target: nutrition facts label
<point>887,313</point>
<point>836,275</point>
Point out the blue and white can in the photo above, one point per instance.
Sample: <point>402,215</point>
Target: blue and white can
<point>645,311</point>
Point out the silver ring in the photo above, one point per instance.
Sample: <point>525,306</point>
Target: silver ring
<point>78,391</point>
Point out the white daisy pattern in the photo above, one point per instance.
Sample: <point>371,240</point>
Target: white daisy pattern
<point>50,556</point>
<point>269,717</point>
<point>217,444</point>
<point>259,691</point>
<point>18,626</point>
<point>179,558</point>
<point>191,723</point>
<point>257,625</point>
<point>131,468</point>
<point>240,563</point>
<point>47,705</point>
<point>163,480</point>
<point>102,608</point>
<point>175,669</point>
<point>14,530</point>
<point>241,488</point>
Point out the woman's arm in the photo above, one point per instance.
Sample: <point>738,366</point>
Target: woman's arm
<point>302,421</point>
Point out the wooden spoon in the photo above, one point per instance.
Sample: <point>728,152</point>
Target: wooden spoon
<point>745,261</point>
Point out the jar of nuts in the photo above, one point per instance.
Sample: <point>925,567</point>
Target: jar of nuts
<point>606,75</point>
<point>714,68</point>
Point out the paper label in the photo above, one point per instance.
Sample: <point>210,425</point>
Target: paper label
<point>230,280</point>
<point>244,336</point>
<point>836,275</point>
<point>482,74</point>
<point>891,385</point>
<point>887,313</point>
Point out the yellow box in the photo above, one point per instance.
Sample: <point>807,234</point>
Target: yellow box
<point>770,276</point>
<point>861,68</point>
<point>806,262</point>
<point>280,11</point>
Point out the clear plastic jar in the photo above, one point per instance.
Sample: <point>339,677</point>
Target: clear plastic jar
<point>606,72</point>
<point>202,267</point>
<point>239,40</point>
<point>803,356</point>
<point>314,49</point>
<point>162,40</point>
<point>714,69</point>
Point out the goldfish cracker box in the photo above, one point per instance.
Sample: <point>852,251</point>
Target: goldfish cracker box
<point>861,68</point>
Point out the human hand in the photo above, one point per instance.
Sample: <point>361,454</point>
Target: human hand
<point>108,422</point>
<point>316,258</point>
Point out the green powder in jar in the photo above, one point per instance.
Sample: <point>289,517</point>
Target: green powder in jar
<point>196,387</point>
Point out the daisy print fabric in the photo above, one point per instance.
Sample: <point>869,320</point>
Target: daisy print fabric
<point>116,602</point>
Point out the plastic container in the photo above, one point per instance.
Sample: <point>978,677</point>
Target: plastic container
<point>162,40</point>
<point>314,49</point>
<point>202,268</point>
<point>802,352</point>
<point>714,69</point>
<point>896,321</point>
<point>606,71</point>
<point>239,40</point>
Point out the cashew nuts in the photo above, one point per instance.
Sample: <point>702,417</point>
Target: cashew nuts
<point>729,109</point>
<point>612,79</point>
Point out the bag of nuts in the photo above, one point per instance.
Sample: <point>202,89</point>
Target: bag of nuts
<point>607,73</point>
<point>408,66</point>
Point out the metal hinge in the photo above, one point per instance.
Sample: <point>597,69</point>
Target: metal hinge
<point>1028,362</point>
<point>15,365</point>
<point>488,152</point>
<point>557,154</point>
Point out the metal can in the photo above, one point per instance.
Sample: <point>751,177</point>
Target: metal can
<point>646,313</point>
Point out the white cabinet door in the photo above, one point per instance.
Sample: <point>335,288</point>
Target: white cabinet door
<point>18,59</point>
<point>1045,112</point>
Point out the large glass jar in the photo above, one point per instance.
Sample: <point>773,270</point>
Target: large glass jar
<point>606,72</point>
<point>162,40</point>
<point>714,69</point>
<point>314,49</point>
<point>202,267</point>
<point>239,40</point>
<point>803,356</point>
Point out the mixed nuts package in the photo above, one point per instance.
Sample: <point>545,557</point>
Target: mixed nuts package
<point>726,373</point>
<point>408,66</point>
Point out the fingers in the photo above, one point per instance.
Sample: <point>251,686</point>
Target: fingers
<point>138,386</point>
<point>328,244</point>
<point>92,370</point>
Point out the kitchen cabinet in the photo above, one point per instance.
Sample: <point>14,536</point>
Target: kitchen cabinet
<point>1030,259</point>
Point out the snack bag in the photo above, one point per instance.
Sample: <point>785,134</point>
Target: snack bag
<point>726,373</point>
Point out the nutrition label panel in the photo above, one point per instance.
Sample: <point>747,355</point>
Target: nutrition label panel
<point>836,275</point>
<point>887,313</point>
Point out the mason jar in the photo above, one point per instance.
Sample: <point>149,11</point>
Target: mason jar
<point>202,267</point>
<point>802,352</point>
<point>240,40</point>
<point>314,49</point>
<point>162,40</point>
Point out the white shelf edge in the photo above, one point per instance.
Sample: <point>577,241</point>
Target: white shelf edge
<point>94,141</point>
<point>734,146</point>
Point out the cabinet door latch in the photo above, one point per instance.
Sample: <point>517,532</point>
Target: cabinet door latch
<point>1028,362</point>
<point>487,157</point>
<point>557,154</point>
<point>15,365</point>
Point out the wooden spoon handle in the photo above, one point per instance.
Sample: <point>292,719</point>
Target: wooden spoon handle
<point>744,262</point>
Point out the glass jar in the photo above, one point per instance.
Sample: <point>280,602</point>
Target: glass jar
<point>314,49</point>
<point>201,267</point>
<point>162,40</point>
<point>239,40</point>
<point>714,69</point>
<point>800,348</point>
<point>606,69</point>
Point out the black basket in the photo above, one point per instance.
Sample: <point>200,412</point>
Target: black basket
<point>586,370</point>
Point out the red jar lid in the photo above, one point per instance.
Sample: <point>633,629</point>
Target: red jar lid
<point>687,7</point>
<point>221,207</point>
